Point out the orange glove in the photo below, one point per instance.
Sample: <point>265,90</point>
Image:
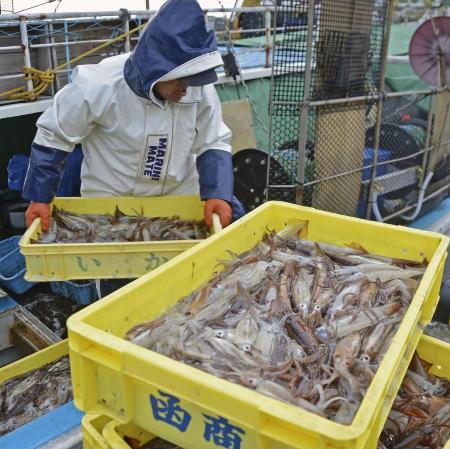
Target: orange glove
<point>220,207</point>
<point>38,210</point>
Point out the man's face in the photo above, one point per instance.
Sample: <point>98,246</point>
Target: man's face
<point>171,90</point>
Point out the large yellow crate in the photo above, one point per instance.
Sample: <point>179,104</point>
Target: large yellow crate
<point>114,433</point>
<point>91,428</point>
<point>56,262</point>
<point>34,361</point>
<point>114,377</point>
<point>101,432</point>
<point>436,352</point>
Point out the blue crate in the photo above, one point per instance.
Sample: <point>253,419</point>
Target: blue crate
<point>12,266</point>
<point>81,292</point>
<point>383,156</point>
<point>9,245</point>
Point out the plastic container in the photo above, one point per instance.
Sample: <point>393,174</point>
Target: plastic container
<point>51,425</point>
<point>101,432</point>
<point>12,266</point>
<point>92,427</point>
<point>34,361</point>
<point>82,292</point>
<point>114,377</point>
<point>383,156</point>
<point>436,352</point>
<point>17,215</point>
<point>72,261</point>
<point>114,433</point>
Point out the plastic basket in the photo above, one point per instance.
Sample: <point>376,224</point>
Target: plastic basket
<point>83,292</point>
<point>436,352</point>
<point>73,261</point>
<point>92,427</point>
<point>50,425</point>
<point>114,377</point>
<point>114,433</point>
<point>12,266</point>
<point>101,432</point>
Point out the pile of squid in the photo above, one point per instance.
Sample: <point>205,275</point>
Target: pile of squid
<point>420,416</point>
<point>28,396</point>
<point>69,227</point>
<point>301,321</point>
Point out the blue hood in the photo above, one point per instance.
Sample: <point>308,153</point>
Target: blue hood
<point>176,35</point>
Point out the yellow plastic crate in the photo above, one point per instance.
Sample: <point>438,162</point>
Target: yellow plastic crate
<point>114,377</point>
<point>91,428</point>
<point>436,352</point>
<point>101,432</point>
<point>113,432</point>
<point>34,361</point>
<point>59,262</point>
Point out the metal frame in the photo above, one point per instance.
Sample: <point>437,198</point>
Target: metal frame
<point>380,107</point>
<point>303,116</point>
<point>383,183</point>
<point>64,18</point>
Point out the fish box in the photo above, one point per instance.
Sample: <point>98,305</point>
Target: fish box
<point>80,292</point>
<point>196,410</point>
<point>91,427</point>
<point>48,426</point>
<point>12,266</point>
<point>101,432</point>
<point>21,333</point>
<point>436,352</point>
<point>73,261</point>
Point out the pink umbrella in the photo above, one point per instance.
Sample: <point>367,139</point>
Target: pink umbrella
<point>429,51</point>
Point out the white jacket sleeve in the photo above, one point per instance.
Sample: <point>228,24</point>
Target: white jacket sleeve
<point>213,149</point>
<point>212,133</point>
<point>74,111</point>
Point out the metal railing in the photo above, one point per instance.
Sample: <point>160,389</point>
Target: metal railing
<point>45,28</point>
<point>48,23</point>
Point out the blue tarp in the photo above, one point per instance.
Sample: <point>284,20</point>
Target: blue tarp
<point>436,214</point>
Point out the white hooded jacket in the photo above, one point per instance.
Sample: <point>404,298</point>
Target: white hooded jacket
<point>132,145</point>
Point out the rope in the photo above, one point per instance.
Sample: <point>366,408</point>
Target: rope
<point>43,78</point>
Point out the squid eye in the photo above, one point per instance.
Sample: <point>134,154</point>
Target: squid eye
<point>317,307</point>
<point>365,358</point>
<point>220,334</point>
<point>246,348</point>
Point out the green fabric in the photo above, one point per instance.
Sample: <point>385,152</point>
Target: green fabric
<point>400,37</point>
<point>401,77</point>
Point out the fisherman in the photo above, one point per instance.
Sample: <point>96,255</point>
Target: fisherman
<point>149,122</point>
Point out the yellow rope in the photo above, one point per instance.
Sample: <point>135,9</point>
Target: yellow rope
<point>42,78</point>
